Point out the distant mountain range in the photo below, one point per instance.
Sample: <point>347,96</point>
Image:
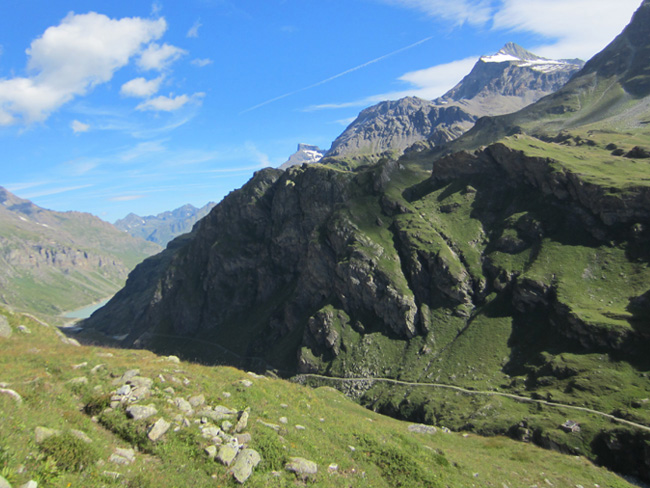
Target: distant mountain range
<point>502,83</point>
<point>51,262</point>
<point>165,226</point>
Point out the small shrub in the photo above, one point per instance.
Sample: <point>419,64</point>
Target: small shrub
<point>46,472</point>
<point>273,453</point>
<point>96,404</point>
<point>68,452</point>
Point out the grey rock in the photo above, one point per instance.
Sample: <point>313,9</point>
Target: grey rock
<point>4,483</point>
<point>30,484</point>
<point>123,390</point>
<point>141,412</point>
<point>422,429</point>
<point>197,401</point>
<point>243,439</point>
<point>242,423</point>
<point>303,468</point>
<point>211,451</point>
<point>42,433</point>
<point>183,405</point>
<point>122,456</point>
<point>305,154</point>
<point>25,330</point>
<point>79,380</point>
<point>126,377</point>
<point>5,328</point>
<point>244,464</point>
<point>81,435</point>
<point>227,453</point>
<point>158,429</point>
<point>140,382</point>
<point>226,425</point>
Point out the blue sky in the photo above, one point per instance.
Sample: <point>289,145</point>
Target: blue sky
<point>118,107</point>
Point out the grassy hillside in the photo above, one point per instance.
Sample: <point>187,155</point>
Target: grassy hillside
<point>68,388</point>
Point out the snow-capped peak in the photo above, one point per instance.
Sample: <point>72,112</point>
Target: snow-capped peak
<point>512,53</point>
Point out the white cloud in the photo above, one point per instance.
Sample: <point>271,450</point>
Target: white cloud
<point>142,149</point>
<point>262,158</point>
<point>475,12</point>
<point>427,83</point>
<point>157,57</point>
<point>202,62</point>
<point>169,104</point>
<point>194,30</point>
<point>578,28</point>
<point>140,87</point>
<point>68,60</point>
<point>79,127</point>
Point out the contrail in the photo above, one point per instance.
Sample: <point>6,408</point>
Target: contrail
<point>331,78</point>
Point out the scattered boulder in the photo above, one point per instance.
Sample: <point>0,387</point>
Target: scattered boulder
<point>159,429</point>
<point>303,468</point>
<point>81,435</point>
<point>79,380</point>
<point>42,433</point>
<point>122,456</point>
<point>244,464</point>
<point>4,483</point>
<point>422,429</point>
<point>30,484</point>
<point>211,451</point>
<point>24,329</point>
<point>183,405</point>
<point>242,423</point>
<point>227,453</point>
<point>141,412</point>
<point>197,401</point>
<point>5,328</point>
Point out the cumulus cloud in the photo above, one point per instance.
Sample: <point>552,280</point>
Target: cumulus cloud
<point>70,59</point>
<point>202,62</point>
<point>194,30</point>
<point>169,104</point>
<point>157,57</point>
<point>79,127</point>
<point>475,12</point>
<point>578,28</point>
<point>141,87</point>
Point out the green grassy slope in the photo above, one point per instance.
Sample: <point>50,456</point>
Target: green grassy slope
<point>352,446</point>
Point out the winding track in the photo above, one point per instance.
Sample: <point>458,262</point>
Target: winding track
<point>465,391</point>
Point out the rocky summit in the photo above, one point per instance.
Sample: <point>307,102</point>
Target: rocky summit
<point>496,285</point>
<point>502,83</point>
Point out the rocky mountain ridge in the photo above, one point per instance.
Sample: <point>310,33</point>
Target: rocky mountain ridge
<point>502,83</point>
<point>165,226</point>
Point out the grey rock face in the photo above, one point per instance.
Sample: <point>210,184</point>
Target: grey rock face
<point>158,429</point>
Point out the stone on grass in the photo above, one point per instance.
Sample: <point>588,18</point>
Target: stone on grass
<point>141,412</point>
<point>242,423</point>
<point>24,329</point>
<point>226,425</point>
<point>82,436</point>
<point>197,401</point>
<point>211,451</point>
<point>183,405</point>
<point>422,429</point>
<point>227,453</point>
<point>303,468</point>
<point>4,483</point>
<point>42,433</point>
<point>15,396</point>
<point>243,439</point>
<point>5,328</point>
<point>30,484</point>
<point>244,464</point>
<point>122,456</point>
<point>173,359</point>
<point>79,380</point>
<point>159,429</point>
